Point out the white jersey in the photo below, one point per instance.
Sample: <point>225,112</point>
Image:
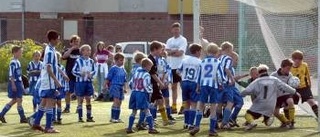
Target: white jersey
<point>210,72</point>
<point>190,69</point>
<point>283,77</point>
<point>179,43</point>
<point>266,90</point>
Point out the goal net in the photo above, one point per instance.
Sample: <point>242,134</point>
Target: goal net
<point>264,31</point>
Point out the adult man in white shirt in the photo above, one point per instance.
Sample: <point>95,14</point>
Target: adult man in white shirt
<point>176,47</point>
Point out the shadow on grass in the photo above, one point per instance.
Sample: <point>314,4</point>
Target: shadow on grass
<point>97,125</point>
<point>312,134</point>
<point>118,133</point>
<point>24,131</point>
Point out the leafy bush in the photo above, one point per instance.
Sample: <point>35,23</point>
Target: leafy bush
<point>29,46</point>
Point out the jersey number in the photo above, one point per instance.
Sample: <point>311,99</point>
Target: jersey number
<point>138,83</point>
<point>190,73</point>
<point>265,93</point>
<point>208,71</point>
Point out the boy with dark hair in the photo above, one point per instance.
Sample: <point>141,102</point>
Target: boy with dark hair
<point>15,86</point>
<point>49,84</point>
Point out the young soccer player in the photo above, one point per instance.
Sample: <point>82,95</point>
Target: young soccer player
<point>266,89</point>
<point>84,69</point>
<point>71,55</point>
<point>101,56</point>
<point>210,80</point>
<point>300,69</point>
<point>157,84</point>
<point>227,93</point>
<point>117,80</point>
<point>63,79</point>
<point>49,84</point>
<point>237,98</point>
<point>139,99</point>
<point>164,73</point>
<point>15,86</point>
<point>33,70</point>
<point>189,71</point>
<point>253,75</point>
<point>138,57</point>
<point>286,99</point>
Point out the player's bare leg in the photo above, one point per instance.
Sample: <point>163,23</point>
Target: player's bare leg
<point>284,121</point>
<point>67,99</point>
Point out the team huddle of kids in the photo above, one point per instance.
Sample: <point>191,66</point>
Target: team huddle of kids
<point>207,79</point>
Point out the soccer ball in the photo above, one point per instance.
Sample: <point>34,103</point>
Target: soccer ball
<point>294,82</point>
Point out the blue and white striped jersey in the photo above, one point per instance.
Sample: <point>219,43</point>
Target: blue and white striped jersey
<point>190,68</point>
<point>49,59</point>
<point>210,72</point>
<point>84,66</point>
<point>117,75</point>
<point>32,66</point>
<point>161,67</point>
<point>60,76</point>
<point>134,69</point>
<point>226,63</point>
<point>141,81</point>
<point>15,71</point>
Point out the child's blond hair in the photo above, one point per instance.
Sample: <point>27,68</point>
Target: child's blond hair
<point>212,48</point>
<point>36,52</point>
<point>138,56</point>
<point>227,46</point>
<point>145,62</point>
<point>85,46</point>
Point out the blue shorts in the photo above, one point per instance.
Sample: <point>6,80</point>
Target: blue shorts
<point>62,93</point>
<point>72,86</point>
<point>49,93</point>
<point>116,91</point>
<point>32,87</point>
<point>165,93</point>
<point>226,95</point>
<point>189,91</point>
<point>208,94</point>
<point>139,100</point>
<point>84,89</point>
<point>18,93</point>
<point>237,98</point>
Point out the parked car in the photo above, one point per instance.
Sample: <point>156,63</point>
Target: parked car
<point>130,47</point>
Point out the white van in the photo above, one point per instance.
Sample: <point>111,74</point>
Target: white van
<point>130,47</point>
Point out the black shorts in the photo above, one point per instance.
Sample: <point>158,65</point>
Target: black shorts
<point>257,115</point>
<point>282,101</point>
<point>175,76</point>
<point>156,94</point>
<point>305,93</point>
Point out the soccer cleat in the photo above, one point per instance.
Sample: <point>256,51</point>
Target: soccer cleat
<point>169,122</point>
<point>58,121</point>
<point>141,127</point>
<point>38,127</point>
<point>113,121</point>
<point>51,130</point>
<point>2,119</point>
<point>250,126</point>
<point>66,111</point>
<point>174,110</point>
<point>268,121</point>
<point>30,121</point>
<point>213,134</point>
<point>291,126</point>
<point>23,120</point>
<point>225,126</point>
<point>153,131</point>
<point>129,131</point>
<point>185,126</point>
<point>181,110</point>
<point>90,119</point>
<point>233,123</point>
<point>190,127</point>
<point>171,118</point>
<point>119,121</point>
<point>194,131</point>
<point>80,120</point>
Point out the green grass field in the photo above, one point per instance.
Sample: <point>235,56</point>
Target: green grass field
<point>305,126</point>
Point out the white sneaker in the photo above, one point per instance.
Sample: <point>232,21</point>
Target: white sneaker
<point>250,126</point>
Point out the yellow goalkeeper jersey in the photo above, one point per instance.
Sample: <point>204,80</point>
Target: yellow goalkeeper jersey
<point>303,73</point>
